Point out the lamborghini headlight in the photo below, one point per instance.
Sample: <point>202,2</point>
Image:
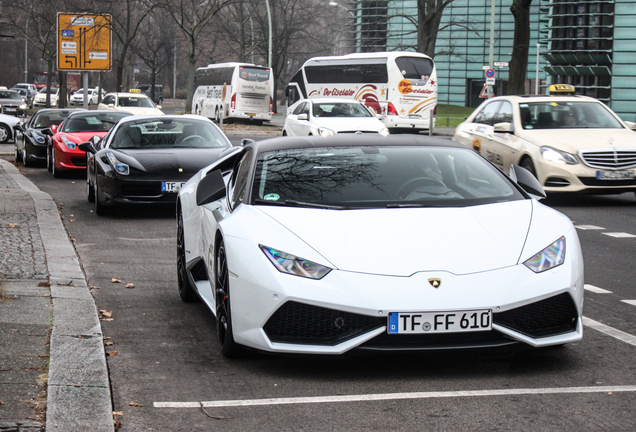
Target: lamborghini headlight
<point>290,264</point>
<point>554,155</point>
<point>548,258</point>
<point>120,167</point>
<point>325,132</point>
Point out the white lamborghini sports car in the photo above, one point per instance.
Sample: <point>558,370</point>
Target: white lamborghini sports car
<point>322,246</point>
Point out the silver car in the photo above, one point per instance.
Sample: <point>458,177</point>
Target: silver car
<point>12,103</point>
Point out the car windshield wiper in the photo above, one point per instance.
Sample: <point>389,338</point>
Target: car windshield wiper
<point>407,205</point>
<point>294,203</point>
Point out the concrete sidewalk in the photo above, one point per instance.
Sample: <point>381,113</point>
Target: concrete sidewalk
<point>52,363</point>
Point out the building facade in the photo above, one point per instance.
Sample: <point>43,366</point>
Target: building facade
<point>590,44</point>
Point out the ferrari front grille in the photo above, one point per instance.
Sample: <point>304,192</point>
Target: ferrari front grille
<point>552,316</point>
<point>609,159</point>
<point>79,161</point>
<point>301,323</point>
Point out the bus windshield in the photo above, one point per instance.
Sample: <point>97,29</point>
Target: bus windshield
<point>254,74</point>
<point>415,67</point>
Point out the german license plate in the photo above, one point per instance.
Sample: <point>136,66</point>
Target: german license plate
<point>414,116</point>
<point>171,186</point>
<point>615,175</point>
<point>440,322</point>
<point>9,109</point>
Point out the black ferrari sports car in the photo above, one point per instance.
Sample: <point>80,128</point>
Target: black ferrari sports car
<point>146,159</point>
<point>31,145</point>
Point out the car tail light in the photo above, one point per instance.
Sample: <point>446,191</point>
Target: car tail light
<point>233,101</point>
<point>390,110</point>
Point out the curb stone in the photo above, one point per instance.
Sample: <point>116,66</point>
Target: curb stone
<point>78,389</point>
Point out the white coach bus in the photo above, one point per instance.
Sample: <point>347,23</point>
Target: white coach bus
<point>248,92</point>
<point>400,86</point>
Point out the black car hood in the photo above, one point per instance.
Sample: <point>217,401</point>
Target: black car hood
<point>185,161</point>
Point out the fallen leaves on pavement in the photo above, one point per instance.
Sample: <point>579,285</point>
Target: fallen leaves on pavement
<point>113,280</point>
<point>135,404</point>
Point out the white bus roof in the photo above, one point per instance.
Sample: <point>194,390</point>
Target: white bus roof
<point>370,55</point>
<point>230,64</point>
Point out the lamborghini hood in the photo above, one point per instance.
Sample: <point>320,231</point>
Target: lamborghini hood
<point>401,242</point>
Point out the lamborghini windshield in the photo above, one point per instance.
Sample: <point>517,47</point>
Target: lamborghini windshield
<point>378,177</point>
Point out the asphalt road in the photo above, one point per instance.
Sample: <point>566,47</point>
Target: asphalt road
<point>166,350</point>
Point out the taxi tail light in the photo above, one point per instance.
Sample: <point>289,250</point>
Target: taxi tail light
<point>390,110</point>
<point>233,101</point>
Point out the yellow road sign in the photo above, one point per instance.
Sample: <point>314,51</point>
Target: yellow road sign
<point>83,42</point>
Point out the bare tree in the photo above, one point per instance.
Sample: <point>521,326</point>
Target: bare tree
<point>42,29</point>
<point>429,14</point>
<point>154,44</point>
<point>236,24</point>
<point>521,47</point>
<point>191,17</point>
<point>127,18</point>
<point>297,30</point>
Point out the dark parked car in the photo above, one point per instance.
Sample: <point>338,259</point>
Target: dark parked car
<point>34,137</point>
<point>145,160</point>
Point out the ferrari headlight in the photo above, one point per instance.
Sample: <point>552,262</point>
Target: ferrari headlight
<point>290,264</point>
<point>548,258</point>
<point>120,167</point>
<point>68,143</point>
<point>384,132</point>
<point>554,155</point>
<point>325,132</point>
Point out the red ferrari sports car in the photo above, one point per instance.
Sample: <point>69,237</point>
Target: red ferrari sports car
<point>79,127</point>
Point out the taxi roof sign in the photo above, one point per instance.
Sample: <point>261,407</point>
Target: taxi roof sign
<point>135,90</point>
<point>84,42</point>
<point>562,89</point>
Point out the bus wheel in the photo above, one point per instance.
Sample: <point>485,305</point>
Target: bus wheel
<point>284,133</point>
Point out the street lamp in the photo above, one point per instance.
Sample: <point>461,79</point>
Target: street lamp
<point>269,18</point>
<point>333,3</point>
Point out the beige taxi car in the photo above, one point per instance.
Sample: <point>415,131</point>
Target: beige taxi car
<point>570,143</point>
<point>133,102</point>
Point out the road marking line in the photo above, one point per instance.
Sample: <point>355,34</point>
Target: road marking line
<point>619,235</point>
<point>588,227</point>
<point>145,239</point>
<point>596,289</point>
<point>610,331</point>
<point>393,396</point>
<point>630,302</point>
